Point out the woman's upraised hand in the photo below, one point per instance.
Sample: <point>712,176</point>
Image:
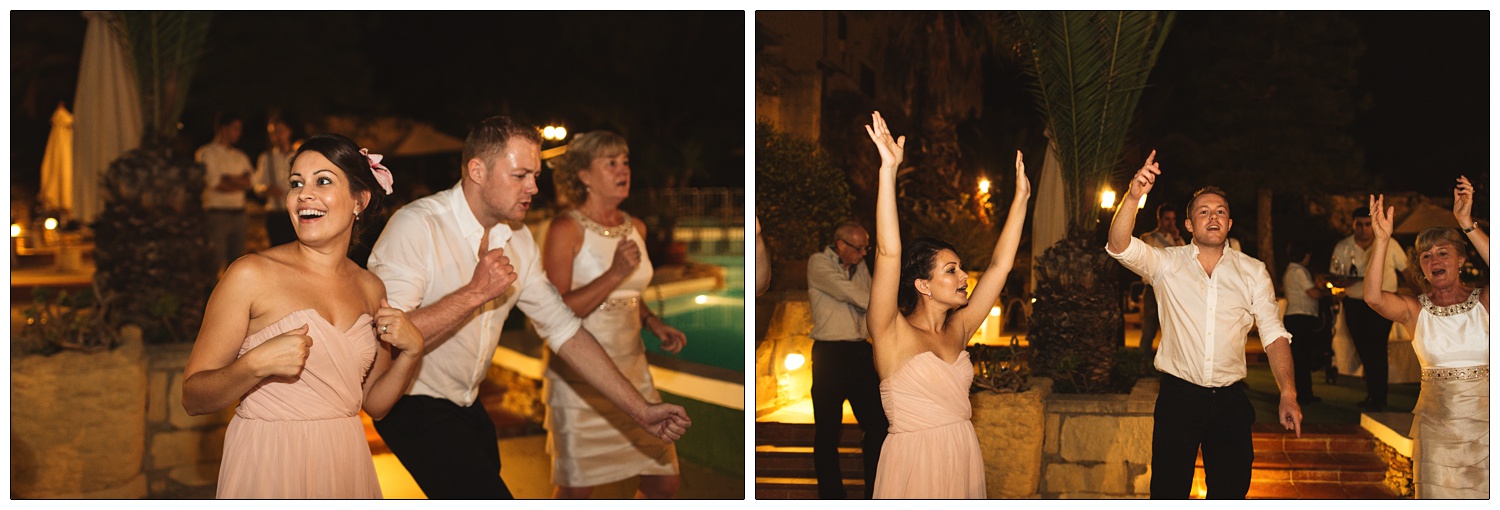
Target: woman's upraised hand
<point>1381,217</point>
<point>891,150</point>
<point>392,327</point>
<point>1463,201</point>
<point>1023,186</point>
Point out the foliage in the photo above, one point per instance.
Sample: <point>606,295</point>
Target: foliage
<point>153,262</point>
<point>1001,369</point>
<point>1076,324</point>
<point>1090,69</point>
<point>1131,364</point>
<point>59,320</point>
<point>799,197</point>
<point>164,47</point>
<point>152,259</point>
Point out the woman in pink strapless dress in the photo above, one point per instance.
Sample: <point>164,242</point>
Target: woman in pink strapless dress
<point>300,336</point>
<point>925,372</point>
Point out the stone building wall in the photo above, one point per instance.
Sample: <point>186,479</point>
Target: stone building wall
<point>1099,446</point>
<point>1010,427</point>
<point>182,451</point>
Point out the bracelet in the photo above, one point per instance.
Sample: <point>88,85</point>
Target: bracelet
<point>1471,228</point>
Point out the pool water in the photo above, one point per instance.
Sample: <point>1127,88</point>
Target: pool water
<point>713,322</point>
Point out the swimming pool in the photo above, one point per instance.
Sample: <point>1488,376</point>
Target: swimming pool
<point>713,321</point>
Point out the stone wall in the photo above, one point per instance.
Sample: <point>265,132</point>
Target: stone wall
<point>76,423</point>
<point>1398,472</point>
<point>183,451</point>
<point>1010,427</point>
<point>775,386</point>
<point>1099,446</point>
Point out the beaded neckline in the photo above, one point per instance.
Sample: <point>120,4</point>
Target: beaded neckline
<point>1453,309</point>
<point>616,231</point>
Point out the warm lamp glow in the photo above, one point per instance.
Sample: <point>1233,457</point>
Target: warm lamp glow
<point>994,311</point>
<point>700,299</point>
<point>15,230</point>
<point>984,185</point>
<point>1141,204</point>
<point>51,224</point>
<point>1107,199</point>
<point>561,133</point>
<point>793,361</point>
<point>554,133</point>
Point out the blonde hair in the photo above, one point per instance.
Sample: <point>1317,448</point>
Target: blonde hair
<point>580,154</point>
<point>1426,241</point>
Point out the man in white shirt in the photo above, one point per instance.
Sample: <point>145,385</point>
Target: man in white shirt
<point>1209,296</point>
<point>227,173</point>
<point>1367,329</point>
<point>843,361</point>
<point>457,262</point>
<point>1165,236</point>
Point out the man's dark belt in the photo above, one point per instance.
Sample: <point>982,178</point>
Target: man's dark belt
<point>1173,380</point>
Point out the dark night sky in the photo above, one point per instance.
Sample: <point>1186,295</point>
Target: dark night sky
<point>671,82</point>
<point>660,75</point>
<point>1428,73</point>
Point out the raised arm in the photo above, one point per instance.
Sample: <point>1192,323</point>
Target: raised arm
<point>1393,307</point>
<point>987,290</point>
<point>1463,201</point>
<point>881,316</point>
<point>493,275</point>
<point>1124,222</point>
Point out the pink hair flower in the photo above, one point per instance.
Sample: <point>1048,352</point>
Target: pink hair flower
<point>382,174</point>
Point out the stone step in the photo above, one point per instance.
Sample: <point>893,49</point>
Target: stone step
<point>797,462</point>
<point>1315,438</point>
<point>801,488</point>
<point>801,434</point>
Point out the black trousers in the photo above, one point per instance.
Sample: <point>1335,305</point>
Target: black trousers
<point>845,371</point>
<point>1371,335</point>
<point>1218,419</point>
<point>1310,343</point>
<point>449,450</point>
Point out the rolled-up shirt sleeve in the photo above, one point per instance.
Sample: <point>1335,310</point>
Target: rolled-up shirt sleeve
<point>1140,258</point>
<point>541,302</point>
<point>399,261</point>
<point>1263,306</point>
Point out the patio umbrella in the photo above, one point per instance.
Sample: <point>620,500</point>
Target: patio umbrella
<point>57,163</point>
<point>107,112</point>
<point>1425,216</point>
<point>1049,222</point>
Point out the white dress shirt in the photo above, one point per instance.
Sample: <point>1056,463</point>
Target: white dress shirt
<point>220,160</point>
<point>274,170</point>
<point>1348,254</point>
<point>1205,319</point>
<point>1296,281</point>
<point>428,250</point>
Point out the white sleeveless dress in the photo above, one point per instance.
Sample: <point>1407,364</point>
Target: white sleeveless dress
<point>592,441</point>
<point>1451,429</point>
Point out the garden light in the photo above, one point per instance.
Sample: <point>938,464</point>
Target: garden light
<point>793,361</point>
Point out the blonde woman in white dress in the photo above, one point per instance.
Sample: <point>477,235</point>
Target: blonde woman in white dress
<point>1450,333</point>
<point>595,255</point>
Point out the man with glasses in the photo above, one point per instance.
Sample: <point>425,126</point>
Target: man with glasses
<point>843,364</point>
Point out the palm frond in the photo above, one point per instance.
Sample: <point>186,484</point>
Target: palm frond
<point>164,48</point>
<point>1089,70</point>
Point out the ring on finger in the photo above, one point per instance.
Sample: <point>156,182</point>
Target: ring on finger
<point>383,327</point>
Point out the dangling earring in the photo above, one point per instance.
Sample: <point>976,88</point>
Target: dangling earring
<point>356,215</point>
